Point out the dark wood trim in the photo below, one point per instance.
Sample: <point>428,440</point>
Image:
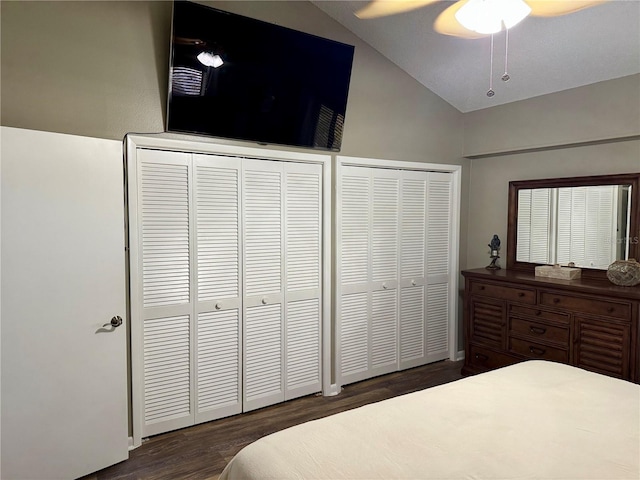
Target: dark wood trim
<point>632,179</point>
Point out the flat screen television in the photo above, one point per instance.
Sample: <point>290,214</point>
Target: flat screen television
<point>235,77</point>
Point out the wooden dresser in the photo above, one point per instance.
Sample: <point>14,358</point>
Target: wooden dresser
<point>512,316</point>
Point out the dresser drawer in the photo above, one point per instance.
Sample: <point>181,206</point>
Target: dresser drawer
<point>538,314</point>
<point>536,350</point>
<point>514,294</point>
<point>543,331</point>
<point>587,305</point>
<point>488,359</point>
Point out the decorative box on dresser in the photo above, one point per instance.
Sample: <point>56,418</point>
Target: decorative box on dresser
<point>511,316</point>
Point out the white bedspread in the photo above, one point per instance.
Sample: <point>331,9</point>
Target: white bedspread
<point>533,420</point>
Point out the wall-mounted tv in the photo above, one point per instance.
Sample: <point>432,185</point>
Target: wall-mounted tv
<point>235,77</point>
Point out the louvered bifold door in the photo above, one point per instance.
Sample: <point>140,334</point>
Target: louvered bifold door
<point>413,244</point>
<point>217,329</point>
<point>164,264</point>
<point>439,283</point>
<point>303,278</point>
<point>354,248</point>
<point>263,231</point>
<point>385,233</point>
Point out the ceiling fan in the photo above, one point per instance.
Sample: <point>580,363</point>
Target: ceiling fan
<point>478,18</point>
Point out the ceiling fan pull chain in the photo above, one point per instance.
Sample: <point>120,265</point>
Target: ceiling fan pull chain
<point>490,92</point>
<point>506,77</point>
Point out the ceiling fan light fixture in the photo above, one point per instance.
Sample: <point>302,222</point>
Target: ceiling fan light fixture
<point>210,59</point>
<point>491,16</point>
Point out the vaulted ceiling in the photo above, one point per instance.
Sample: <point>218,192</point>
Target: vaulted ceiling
<point>545,55</point>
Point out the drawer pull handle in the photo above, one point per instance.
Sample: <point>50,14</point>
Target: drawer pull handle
<point>481,287</point>
<point>537,330</point>
<point>538,313</point>
<point>537,351</point>
<point>521,294</point>
<point>481,357</point>
<point>556,300</point>
<point>611,310</point>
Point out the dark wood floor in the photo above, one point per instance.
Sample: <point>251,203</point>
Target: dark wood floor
<point>202,451</point>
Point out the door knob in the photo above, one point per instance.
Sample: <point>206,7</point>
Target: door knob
<point>115,322</point>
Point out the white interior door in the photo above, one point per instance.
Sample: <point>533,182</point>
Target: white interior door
<point>64,393</point>
<point>217,331</point>
<point>385,237</point>
<point>440,290</point>
<point>413,256</point>
<point>263,226</point>
<point>303,278</point>
<point>395,255</point>
<point>160,219</point>
<point>354,252</point>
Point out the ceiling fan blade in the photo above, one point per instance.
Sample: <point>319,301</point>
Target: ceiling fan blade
<point>447,24</point>
<point>382,8</point>
<point>553,8</point>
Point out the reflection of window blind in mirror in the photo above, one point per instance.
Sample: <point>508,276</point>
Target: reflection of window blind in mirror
<point>523,240</point>
<point>587,230</point>
<point>186,81</point>
<point>533,225</point>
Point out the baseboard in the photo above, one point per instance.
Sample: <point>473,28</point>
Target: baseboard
<point>131,445</point>
<point>460,355</point>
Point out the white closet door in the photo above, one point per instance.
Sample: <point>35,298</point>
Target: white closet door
<point>385,233</point>
<point>439,295</point>
<point>263,226</point>
<point>354,251</point>
<point>413,244</point>
<point>396,284</point>
<point>369,245</point>
<point>164,263</point>
<point>217,332</point>
<point>303,273</point>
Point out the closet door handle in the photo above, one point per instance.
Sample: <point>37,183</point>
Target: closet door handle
<point>115,322</point>
<point>218,305</point>
<point>264,300</point>
<point>385,286</point>
<point>413,283</point>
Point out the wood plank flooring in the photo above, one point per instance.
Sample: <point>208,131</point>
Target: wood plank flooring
<point>202,451</point>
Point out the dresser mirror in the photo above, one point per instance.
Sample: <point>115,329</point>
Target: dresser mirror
<point>589,221</point>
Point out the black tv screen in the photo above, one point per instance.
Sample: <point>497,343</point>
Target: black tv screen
<point>235,77</point>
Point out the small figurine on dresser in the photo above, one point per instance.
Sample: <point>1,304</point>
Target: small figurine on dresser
<point>494,247</point>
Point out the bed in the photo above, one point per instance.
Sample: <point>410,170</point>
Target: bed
<point>532,420</point>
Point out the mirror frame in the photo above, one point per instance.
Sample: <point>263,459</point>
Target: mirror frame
<point>632,179</point>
